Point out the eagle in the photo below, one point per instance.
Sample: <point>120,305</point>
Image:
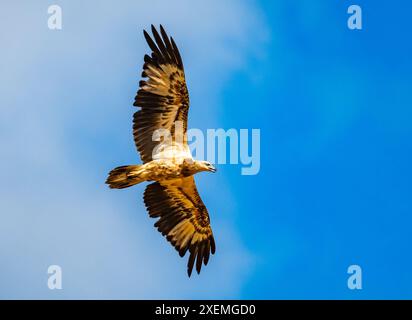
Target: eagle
<point>160,135</point>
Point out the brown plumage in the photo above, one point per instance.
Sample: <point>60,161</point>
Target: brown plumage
<point>173,198</point>
<point>163,97</point>
<point>183,219</point>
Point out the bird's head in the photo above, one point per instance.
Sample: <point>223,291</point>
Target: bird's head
<point>206,166</point>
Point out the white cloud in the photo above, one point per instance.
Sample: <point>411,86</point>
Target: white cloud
<point>64,99</point>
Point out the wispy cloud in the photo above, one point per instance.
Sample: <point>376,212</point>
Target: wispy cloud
<point>65,107</point>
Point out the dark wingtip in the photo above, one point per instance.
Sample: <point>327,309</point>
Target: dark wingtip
<point>162,29</point>
<point>191,261</point>
<point>212,245</point>
<point>146,35</point>
<point>153,28</point>
<point>181,253</point>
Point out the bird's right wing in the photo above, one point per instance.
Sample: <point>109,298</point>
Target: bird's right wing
<point>184,219</point>
<point>163,96</point>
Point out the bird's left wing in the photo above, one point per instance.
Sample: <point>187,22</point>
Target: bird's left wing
<point>184,219</point>
<point>163,96</point>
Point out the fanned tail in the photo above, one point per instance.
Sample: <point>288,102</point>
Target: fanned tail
<point>125,176</point>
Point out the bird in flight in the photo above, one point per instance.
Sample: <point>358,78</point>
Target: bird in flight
<point>160,135</point>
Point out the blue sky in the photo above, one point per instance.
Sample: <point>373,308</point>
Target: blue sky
<point>333,106</point>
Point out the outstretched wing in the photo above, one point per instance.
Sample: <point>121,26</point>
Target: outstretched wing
<point>184,219</point>
<point>163,96</point>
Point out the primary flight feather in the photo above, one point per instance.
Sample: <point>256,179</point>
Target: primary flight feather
<point>160,135</point>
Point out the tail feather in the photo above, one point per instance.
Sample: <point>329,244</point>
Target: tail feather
<point>125,176</point>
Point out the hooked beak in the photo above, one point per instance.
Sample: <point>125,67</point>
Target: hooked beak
<point>213,169</point>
